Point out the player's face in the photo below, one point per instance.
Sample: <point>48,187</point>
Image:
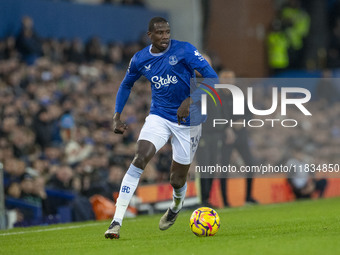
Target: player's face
<point>160,37</point>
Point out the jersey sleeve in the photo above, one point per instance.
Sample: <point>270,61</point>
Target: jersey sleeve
<point>132,75</point>
<point>207,72</point>
<point>196,61</point>
<point>193,57</point>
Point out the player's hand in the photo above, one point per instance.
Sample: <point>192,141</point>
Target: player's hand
<point>183,110</point>
<point>118,126</point>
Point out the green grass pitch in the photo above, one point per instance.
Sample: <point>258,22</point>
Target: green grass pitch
<point>306,227</point>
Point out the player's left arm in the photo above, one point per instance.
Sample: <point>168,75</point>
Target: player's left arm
<point>196,62</point>
<point>183,111</point>
<point>207,72</point>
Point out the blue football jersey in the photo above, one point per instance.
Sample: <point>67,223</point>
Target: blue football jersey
<point>169,73</point>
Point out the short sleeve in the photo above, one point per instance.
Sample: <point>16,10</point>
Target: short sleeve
<point>194,58</point>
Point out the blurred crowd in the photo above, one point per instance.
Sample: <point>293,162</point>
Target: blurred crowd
<point>57,100</point>
<point>315,141</point>
<point>318,135</point>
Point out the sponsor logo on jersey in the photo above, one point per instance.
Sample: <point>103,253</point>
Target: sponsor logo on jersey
<point>147,68</point>
<point>160,81</point>
<point>197,54</point>
<point>173,60</point>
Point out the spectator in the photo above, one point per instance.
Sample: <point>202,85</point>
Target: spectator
<point>333,60</point>
<point>66,181</point>
<point>9,48</point>
<point>27,194</point>
<point>27,186</point>
<point>14,190</point>
<point>93,49</point>
<point>23,143</point>
<point>75,53</point>
<point>302,182</point>
<point>28,41</point>
<point>297,24</point>
<point>115,55</point>
<point>42,127</point>
<point>163,163</point>
<point>116,174</point>
<point>75,152</point>
<point>39,191</point>
<point>14,170</point>
<point>109,186</point>
<point>326,90</point>
<point>277,45</point>
<point>67,123</point>
<point>236,138</point>
<point>63,179</point>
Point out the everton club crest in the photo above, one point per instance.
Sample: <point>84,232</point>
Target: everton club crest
<point>173,60</point>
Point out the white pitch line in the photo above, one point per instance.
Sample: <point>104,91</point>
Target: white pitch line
<point>51,229</point>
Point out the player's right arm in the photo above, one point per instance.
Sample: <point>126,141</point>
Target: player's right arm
<point>132,74</point>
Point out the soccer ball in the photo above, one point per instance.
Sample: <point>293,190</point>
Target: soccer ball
<point>204,221</point>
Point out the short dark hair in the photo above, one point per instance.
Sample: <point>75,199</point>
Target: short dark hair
<point>155,20</point>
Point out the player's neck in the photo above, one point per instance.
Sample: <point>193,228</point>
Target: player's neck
<point>156,50</point>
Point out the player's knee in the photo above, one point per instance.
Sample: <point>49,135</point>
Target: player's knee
<point>177,182</point>
<point>140,161</point>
